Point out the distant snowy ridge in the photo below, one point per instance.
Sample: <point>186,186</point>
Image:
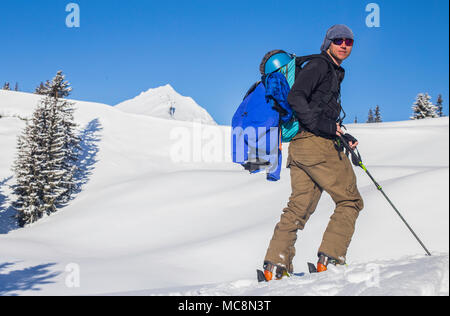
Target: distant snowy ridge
<point>165,102</point>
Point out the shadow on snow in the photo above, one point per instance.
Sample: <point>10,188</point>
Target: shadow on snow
<point>7,214</point>
<point>28,279</point>
<point>89,149</point>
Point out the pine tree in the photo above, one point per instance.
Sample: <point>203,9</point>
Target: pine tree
<point>71,149</point>
<point>58,89</point>
<point>38,167</point>
<point>378,118</point>
<point>6,86</point>
<point>370,118</point>
<point>439,105</point>
<point>47,153</point>
<point>423,107</point>
<point>356,120</point>
<point>40,89</point>
<point>16,88</point>
<point>28,202</point>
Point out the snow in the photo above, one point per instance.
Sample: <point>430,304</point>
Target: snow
<point>158,102</point>
<point>412,276</point>
<point>145,223</point>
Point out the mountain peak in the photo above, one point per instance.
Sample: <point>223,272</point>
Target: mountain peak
<point>165,102</point>
<point>162,89</point>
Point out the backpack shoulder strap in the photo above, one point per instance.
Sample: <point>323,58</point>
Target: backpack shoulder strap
<point>300,61</point>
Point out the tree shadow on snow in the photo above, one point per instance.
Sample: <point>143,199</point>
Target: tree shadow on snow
<point>28,279</point>
<point>8,221</point>
<point>89,149</point>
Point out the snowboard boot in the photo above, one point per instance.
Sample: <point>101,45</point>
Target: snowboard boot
<point>324,261</point>
<point>269,268</point>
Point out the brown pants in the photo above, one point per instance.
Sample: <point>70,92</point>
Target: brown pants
<point>315,166</point>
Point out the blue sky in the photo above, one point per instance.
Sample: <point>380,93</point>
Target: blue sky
<point>211,49</point>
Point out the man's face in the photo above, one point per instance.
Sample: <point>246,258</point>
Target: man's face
<point>341,51</point>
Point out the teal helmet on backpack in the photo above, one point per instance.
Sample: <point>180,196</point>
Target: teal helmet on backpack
<point>274,60</point>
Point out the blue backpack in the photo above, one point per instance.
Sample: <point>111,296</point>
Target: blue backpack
<point>256,134</point>
<point>264,121</point>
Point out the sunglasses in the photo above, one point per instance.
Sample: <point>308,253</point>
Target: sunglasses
<point>339,41</point>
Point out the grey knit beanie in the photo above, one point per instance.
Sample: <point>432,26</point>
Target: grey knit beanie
<point>336,31</point>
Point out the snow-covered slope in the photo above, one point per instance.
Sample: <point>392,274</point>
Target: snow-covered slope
<point>146,223</point>
<point>406,276</point>
<point>158,103</point>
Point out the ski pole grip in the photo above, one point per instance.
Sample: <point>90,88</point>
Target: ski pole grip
<point>356,158</point>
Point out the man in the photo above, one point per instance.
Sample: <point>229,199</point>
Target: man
<point>316,161</point>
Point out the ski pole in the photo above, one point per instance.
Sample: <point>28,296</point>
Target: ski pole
<point>358,161</point>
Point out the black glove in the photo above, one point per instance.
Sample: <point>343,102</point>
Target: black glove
<point>356,157</point>
<point>349,138</point>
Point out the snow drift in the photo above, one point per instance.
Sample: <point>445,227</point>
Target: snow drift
<point>148,223</point>
<point>412,276</point>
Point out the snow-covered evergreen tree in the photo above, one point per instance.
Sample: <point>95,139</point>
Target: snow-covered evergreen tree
<point>28,198</point>
<point>6,86</point>
<point>38,167</point>
<point>71,148</point>
<point>378,118</point>
<point>40,89</point>
<point>423,107</point>
<point>370,117</point>
<point>439,105</point>
<point>16,88</point>
<point>57,88</point>
<point>45,166</point>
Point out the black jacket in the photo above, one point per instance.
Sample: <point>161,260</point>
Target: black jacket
<point>315,96</point>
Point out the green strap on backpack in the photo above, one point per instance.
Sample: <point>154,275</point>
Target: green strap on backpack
<point>291,128</point>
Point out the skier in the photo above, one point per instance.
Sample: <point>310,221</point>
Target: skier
<point>317,162</point>
<point>172,111</point>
